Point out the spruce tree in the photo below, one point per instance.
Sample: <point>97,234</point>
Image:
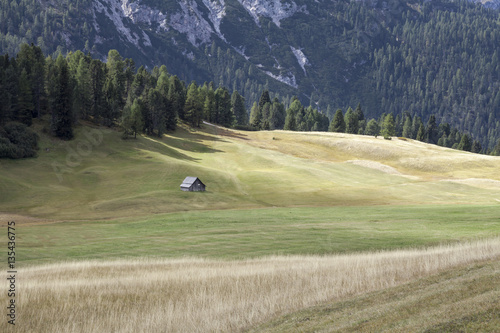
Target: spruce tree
<point>61,123</point>
<point>193,109</point>
<point>465,143</point>
<point>133,117</point>
<point>372,128</point>
<point>255,116</point>
<point>238,108</point>
<point>338,124</point>
<point>432,130</point>
<point>25,100</point>
<point>421,133</point>
<point>278,115</point>
<point>407,128</point>
<point>388,127</point>
<point>351,121</point>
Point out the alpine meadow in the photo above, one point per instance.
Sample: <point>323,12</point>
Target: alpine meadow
<point>250,166</point>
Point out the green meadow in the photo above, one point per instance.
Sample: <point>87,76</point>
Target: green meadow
<point>269,193</point>
<point>242,234</point>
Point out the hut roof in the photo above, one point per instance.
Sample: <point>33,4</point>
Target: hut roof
<point>188,181</point>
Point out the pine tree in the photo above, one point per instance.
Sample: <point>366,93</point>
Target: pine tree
<point>61,123</point>
<point>432,130</point>
<point>476,147</point>
<point>209,107</point>
<point>133,117</point>
<point>372,128</point>
<point>264,98</point>
<point>388,127</point>
<point>25,100</point>
<point>238,108</point>
<point>169,115</point>
<point>338,124</point>
<point>351,121</point>
<point>277,116</point>
<point>177,96</point>
<point>193,108</point>
<point>82,93</point>
<point>290,123</point>
<point>255,116</point>
<point>223,105</point>
<point>421,133</point>
<point>407,128</point>
<point>465,143</point>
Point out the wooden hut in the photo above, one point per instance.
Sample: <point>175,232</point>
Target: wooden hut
<point>192,184</point>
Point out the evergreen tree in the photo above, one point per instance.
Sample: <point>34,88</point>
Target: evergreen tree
<point>61,123</point>
<point>167,109</point>
<point>177,96</point>
<point>82,93</point>
<point>421,133</point>
<point>133,117</point>
<point>255,116</point>
<point>388,127</point>
<point>264,98</point>
<point>372,128</point>
<point>290,122</point>
<point>238,108</point>
<point>338,124</point>
<point>209,106</point>
<point>277,116</point>
<point>432,131</point>
<point>25,100</point>
<point>476,147</point>
<point>157,112</point>
<point>407,132</point>
<point>193,109</point>
<point>223,104</point>
<point>97,97</point>
<point>351,121</point>
<point>465,143</point>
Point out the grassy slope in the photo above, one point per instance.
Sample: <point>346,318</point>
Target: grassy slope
<point>141,177</point>
<point>464,299</point>
<point>322,193</point>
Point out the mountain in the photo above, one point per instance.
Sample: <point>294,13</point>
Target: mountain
<point>423,57</point>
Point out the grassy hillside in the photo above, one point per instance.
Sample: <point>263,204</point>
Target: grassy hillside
<point>98,175</point>
<point>282,213</point>
<point>462,299</point>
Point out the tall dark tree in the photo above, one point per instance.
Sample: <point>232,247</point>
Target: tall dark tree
<point>264,98</point>
<point>238,108</point>
<point>351,121</point>
<point>421,133</point>
<point>388,126</point>
<point>170,115</point>
<point>223,105</point>
<point>25,100</point>
<point>277,116</point>
<point>193,109</point>
<point>338,124</point>
<point>432,130</point>
<point>61,123</point>
<point>31,59</point>
<point>97,82</point>
<point>465,143</point>
<point>407,133</point>
<point>177,95</point>
<point>255,116</point>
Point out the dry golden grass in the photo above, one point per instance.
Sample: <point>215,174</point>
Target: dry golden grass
<point>195,295</point>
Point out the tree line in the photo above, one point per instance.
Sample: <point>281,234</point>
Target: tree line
<point>74,88</point>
